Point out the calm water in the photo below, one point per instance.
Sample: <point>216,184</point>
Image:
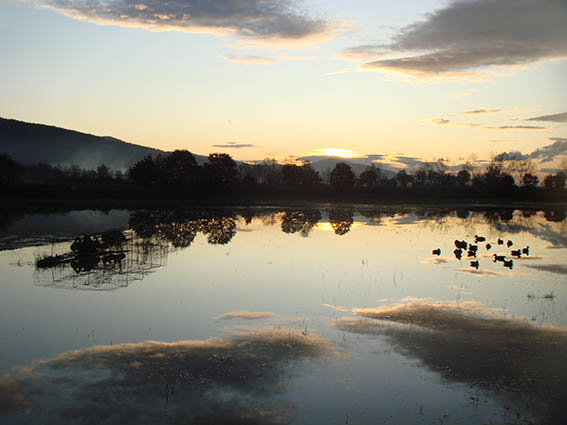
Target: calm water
<point>335,315</point>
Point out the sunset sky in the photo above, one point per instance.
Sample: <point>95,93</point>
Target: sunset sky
<point>260,78</point>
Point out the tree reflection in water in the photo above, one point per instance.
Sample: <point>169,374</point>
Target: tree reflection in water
<point>300,221</point>
<point>341,220</point>
<point>114,259</point>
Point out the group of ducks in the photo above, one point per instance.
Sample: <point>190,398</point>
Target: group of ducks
<point>472,249</point>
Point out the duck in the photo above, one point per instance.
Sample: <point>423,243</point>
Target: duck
<point>526,250</point>
<point>436,251</point>
<point>488,246</point>
<point>458,253</point>
<point>499,258</point>
<point>461,244</point>
<point>516,253</point>
<point>474,264</point>
<point>509,244</point>
<point>478,239</point>
<point>509,264</point>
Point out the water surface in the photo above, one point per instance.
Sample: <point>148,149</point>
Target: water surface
<point>338,314</point>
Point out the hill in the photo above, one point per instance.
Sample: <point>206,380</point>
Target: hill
<point>328,164</point>
<point>30,143</point>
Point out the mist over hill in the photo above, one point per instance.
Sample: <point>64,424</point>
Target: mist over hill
<point>29,143</point>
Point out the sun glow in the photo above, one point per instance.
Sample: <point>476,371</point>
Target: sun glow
<point>342,153</point>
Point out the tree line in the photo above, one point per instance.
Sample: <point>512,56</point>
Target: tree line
<point>179,172</point>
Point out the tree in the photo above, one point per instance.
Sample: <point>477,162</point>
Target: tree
<point>342,177</point>
<point>145,171</point>
<point>403,178</point>
<point>529,180</point>
<point>179,168</point>
<point>102,172</point>
<point>221,169</point>
<point>463,177</point>
<point>368,178</point>
<point>9,169</point>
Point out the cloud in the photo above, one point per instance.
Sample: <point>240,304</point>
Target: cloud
<point>249,19</point>
<point>250,60</point>
<point>234,145</point>
<point>468,35</point>
<point>549,152</point>
<point>247,315</point>
<point>561,117</point>
<point>514,127</point>
<point>440,121</point>
<point>480,111</point>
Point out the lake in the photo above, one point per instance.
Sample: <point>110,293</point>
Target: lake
<point>337,314</point>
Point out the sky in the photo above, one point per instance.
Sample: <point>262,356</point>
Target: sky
<point>290,78</point>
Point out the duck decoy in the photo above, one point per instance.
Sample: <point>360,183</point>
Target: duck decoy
<point>508,263</point>
<point>500,241</point>
<point>478,239</point>
<point>436,251</point>
<point>509,244</point>
<point>526,250</point>
<point>488,246</point>
<point>474,264</point>
<point>516,253</point>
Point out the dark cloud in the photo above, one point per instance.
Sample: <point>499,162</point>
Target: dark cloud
<point>550,152</point>
<point>514,127</point>
<point>561,117</point>
<point>510,358</point>
<point>234,145</point>
<point>467,35</point>
<point>480,111</point>
<point>253,19</point>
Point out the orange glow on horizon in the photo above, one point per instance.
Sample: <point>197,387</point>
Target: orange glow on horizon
<point>342,153</point>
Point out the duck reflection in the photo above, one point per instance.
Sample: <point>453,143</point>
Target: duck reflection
<point>511,358</point>
<point>235,380</point>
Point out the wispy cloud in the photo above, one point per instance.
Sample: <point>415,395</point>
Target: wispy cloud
<point>439,121</point>
<point>234,145</point>
<point>467,36</point>
<point>480,111</point>
<point>250,60</point>
<point>561,117</point>
<point>249,19</point>
<point>444,121</point>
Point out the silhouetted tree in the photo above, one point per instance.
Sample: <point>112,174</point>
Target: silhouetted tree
<point>179,168</point>
<point>403,178</point>
<point>554,181</point>
<point>342,177</point>
<point>529,180</point>
<point>146,172</point>
<point>221,169</point>
<point>368,178</point>
<point>9,169</point>
<point>463,177</point>
<point>292,174</point>
<point>103,172</point>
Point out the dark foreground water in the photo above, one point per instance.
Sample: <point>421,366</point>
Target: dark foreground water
<point>333,315</point>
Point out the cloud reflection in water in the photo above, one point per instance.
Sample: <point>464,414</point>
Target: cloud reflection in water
<point>225,380</point>
<point>512,358</point>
